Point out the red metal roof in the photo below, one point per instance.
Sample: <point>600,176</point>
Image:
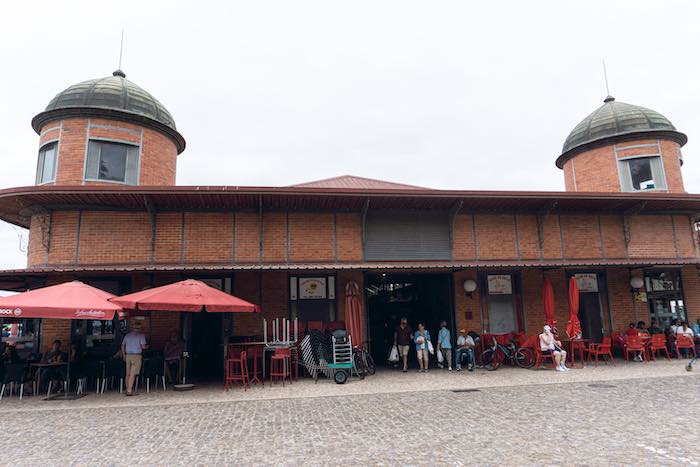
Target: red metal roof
<point>17,204</point>
<point>352,181</point>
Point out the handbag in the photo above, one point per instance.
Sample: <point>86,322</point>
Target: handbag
<point>440,358</point>
<point>431,349</point>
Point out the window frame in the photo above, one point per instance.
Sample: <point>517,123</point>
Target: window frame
<point>658,173</point>
<point>127,144</point>
<point>41,160</point>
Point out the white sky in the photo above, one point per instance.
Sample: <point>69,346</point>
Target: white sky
<point>441,94</point>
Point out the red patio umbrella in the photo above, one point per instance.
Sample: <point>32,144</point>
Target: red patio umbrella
<point>70,300</point>
<point>573,327</point>
<point>189,295</point>
<point>548,303</point>
<point>352,312</point>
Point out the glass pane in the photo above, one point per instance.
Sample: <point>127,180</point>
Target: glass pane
<point>641,173</point>
<point>48,164</point>
<point>93,160</point>
<point>113,162</point>
<point>40,168</point>
<point>132,165</point>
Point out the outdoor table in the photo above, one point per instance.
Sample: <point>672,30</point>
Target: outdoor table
<point>582,341</point>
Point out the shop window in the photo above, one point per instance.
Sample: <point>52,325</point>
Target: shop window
<point>112,162</point>
<point>664,293</point>
<point>22,333</point>
<point>46,167</point>
<point>503,302</point>
<point>642,173</point>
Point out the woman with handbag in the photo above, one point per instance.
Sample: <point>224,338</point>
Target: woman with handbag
<point>423,345</point>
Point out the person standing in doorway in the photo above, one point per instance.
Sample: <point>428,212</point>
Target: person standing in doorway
<point>402,340</point>
<point>421,338</point>
<point>133,345</point>
<point>444,345</point>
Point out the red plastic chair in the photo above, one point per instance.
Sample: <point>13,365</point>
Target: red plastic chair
<point>237,371</point>
<point>604,349</point>
<point>658,344</point>
<point>281,365</point>
<point>540,357</point>
<point>684,342</point>
<point>635,344</point>
<point>256,354</point>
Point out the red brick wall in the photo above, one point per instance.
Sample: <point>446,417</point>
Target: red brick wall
<point>581,236</point>
<point>311,237</point>
<point>247,239</point>
<point>495,236</point>
<point>466,306</point>
<point>348,236</point>
<point>115,237</point>
<point>612,228</point>
<point>158,152</point>
<point>275,236</point>
<point>528,238</point>
<point>651,237</point>
<point>552,247</point>
<point>168,237</point>
<point>463,246</point>
<point>208,237</point>
<point>52,329</point>
<point>597,170</point>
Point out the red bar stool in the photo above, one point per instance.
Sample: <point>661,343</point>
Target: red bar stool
<point>281,365</point>
<point>256,354</point>
<point>237,371</point>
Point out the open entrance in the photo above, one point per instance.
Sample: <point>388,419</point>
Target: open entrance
<point>422,298</point>
<point>205,346</point>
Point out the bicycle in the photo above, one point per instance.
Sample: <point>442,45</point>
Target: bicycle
<point>496,355</point>
<point>363,363</point>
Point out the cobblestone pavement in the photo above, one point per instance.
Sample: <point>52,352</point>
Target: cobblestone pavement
<point>639,421</point>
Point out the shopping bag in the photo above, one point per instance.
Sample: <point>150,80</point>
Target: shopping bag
<point>431,349</point>
<point>393,354</point>
<point>439,356</point>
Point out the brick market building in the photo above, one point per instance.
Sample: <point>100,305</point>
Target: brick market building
<point>105,210</point>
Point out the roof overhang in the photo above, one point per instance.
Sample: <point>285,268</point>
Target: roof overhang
<point>67,112</point>
<point>17,205</point>
<point>675,136</point>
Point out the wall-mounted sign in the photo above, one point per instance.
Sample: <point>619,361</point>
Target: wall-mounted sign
<point>640,296</point>
<point>587,282</point>
<point>500,284</point>
<point>312,287</point>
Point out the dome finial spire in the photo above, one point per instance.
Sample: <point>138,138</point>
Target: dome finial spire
<point>610,98</point>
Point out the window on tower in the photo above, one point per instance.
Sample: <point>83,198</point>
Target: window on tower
<point>112,162</point>
<point>642,173</point>
<point>46,168</point>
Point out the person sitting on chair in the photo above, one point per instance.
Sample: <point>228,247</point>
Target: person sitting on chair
<point>57,373</point>
<point>549,345</point>
<point>171,353</point>
<point>465,349</point>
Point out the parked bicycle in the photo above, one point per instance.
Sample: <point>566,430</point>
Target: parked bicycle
<point>497,354</point>
<point>363,363</point>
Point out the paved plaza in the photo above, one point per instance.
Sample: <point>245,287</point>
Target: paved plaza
<point>639,414</point>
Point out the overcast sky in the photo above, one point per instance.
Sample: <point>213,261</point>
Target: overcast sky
<point>442,94</point>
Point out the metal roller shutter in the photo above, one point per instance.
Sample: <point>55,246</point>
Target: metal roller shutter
<point>408,235</point>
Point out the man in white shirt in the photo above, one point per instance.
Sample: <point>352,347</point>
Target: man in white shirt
<point>465,347</point>
<point>133,345</point>
<point>684,330</point>
<point>549,345</point>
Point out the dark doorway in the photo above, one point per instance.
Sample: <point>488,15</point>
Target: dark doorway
<point>206,362</point>
<point>590,316</point>
<point>422,298</point>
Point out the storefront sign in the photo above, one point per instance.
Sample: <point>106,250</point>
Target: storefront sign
<point>587,282</point>
<point>640,296</point>
<point>500,284</point>
<point>10,312</point>
<point>312,287</point>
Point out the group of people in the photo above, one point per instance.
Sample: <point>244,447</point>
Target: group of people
<point>677,328</point>
<point>404,337</point>
<point>131,350</point>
